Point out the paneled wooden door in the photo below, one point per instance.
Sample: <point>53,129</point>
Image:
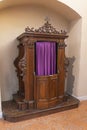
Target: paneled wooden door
<point>46,91</point>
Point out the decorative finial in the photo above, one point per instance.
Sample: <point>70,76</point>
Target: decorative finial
<point>47,19</point>
<point>46,28</point>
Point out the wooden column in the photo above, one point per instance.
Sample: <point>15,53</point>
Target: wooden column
<point>60,67</point>
<point>29,77</point>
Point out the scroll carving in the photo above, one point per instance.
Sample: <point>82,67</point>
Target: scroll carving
<point>22,66</point>
<point>46,28</point>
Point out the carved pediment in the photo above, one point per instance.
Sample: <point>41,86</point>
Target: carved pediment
<point>46,28</point>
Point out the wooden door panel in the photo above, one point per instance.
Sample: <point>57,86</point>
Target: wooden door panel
<point>42,88</point>
<point>42,85</point>
<point>47,91</point>
<point>53,89</point>
<point>53,93</point>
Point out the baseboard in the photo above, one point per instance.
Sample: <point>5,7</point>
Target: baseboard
<point>82,98</point>
<point>1,115</point>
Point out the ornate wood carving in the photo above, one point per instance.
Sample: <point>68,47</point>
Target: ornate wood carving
<point>22,66</point>
<point>19,69</point>
<point>61,43</point>
<point>30,43</point>
<point>46,28</point>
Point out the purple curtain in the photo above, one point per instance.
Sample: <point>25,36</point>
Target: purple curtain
<point>45,58</point>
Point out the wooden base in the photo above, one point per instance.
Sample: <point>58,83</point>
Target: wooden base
<point>12,114</point>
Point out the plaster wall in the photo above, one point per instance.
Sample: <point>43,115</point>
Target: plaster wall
<point>13,21</point>
<point>80,7</point>
<point>74,48</point>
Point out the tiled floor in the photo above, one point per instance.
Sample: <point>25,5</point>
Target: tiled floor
<point>75,119</point>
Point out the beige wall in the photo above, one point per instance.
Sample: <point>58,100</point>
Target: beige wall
<point>74,48</point>
<point>82,85</point>
<point>12,23</point>
<point>80,7</point>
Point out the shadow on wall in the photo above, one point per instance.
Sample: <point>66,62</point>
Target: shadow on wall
<point>70,76</point>
<point>8,78</point>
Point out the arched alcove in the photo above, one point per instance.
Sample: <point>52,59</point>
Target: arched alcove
<point>13,21</point>
<point>15,16</point>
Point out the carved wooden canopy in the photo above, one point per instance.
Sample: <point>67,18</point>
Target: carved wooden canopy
<point>47,30</point>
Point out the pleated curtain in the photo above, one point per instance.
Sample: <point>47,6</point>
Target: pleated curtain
<point>45,58</point>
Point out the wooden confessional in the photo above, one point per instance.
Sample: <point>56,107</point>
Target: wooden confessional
<point>43,94</point>
<point>40,91</point>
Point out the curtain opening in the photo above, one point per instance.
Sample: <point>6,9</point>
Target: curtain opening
<point>46,63</point>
